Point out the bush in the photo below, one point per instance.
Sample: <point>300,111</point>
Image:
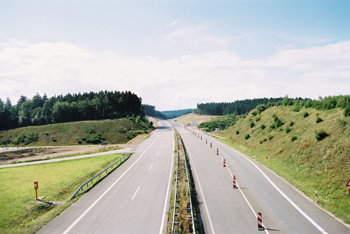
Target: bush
<point>260,108</point>
<point>347,111</point>
<point>95,139</point>
<point>288,130</point>
<point>319,120</point>
<point>270,137</point>
<point>80,142</point>
<point>252,125</point>
<point>321,135</point>
<point>84,138</point>
<point>53,139</point>
<point>277,123</point>
<point>254,113</point>
<point>246,137</point>
<point>293,138</point>
<point>237,132</point>
<point>258,119</point>
<point>263,140</point>
<point>262,127</point>
<point>291,124</point>
<point>305,114</point>
<point>90,131</point>
<point>296,109</point>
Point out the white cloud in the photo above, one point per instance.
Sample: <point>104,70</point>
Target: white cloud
<point>59,68</point>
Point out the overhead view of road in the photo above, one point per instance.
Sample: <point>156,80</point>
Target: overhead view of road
<point>233,210</point>
<point>133,199</point>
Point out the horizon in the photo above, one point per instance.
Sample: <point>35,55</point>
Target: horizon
<point>176,54</point>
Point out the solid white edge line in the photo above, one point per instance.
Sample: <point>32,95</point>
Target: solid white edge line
<point>167,193</point>
<point>135,193</point>
<point>282,193</point>
<point>200,188</point>
<point>285,196</point>
<point>102,195</point>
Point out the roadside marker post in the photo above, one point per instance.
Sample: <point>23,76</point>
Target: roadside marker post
<point>211,145</point>
<point>224,163</point>
<point>234,182</point>
<point>206,141</point>
<point>260,226</point>
<point>348,185</point>
<point>36,186</point>
<point>316,194</point>
<point>217,151</point>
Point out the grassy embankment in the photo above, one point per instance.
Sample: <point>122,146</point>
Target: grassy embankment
<point>114,131</point>
<point>20,213</point>
<point>286,141</point>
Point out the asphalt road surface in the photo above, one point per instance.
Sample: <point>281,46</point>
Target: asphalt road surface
<point>133,199</point>
<point>228,210</point>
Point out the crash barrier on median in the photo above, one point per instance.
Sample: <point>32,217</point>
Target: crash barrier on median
<point>124,157</point>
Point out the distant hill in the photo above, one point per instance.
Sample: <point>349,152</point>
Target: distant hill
<point>114,131</point>
<point>176,113</point>
<point>151,111</point>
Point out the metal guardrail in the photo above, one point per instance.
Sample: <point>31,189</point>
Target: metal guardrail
<point>184,169</point>
<point>125,156</point>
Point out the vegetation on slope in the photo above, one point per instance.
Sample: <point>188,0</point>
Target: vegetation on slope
<point>176,113</point>
<point>74,133</point>
<point>308,147</point>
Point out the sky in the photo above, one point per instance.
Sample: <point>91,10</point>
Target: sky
<point>175,54</point>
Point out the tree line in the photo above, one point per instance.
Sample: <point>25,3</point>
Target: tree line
<point>42,110</point>
<point>151,111</point>
<point>244,106</point>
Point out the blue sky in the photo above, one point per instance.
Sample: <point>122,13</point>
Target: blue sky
<point>175,54</point>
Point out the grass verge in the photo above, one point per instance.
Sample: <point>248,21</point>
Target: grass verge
<point>20,213</point>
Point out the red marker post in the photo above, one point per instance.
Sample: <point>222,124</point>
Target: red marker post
<point>36,186</point>
<point>348,185</point>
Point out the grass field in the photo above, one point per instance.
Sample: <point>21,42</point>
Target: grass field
<point>114,131</point>
<point>293,151</point>
<point>20,213</point>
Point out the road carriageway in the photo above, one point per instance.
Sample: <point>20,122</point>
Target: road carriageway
<point>226,209</point>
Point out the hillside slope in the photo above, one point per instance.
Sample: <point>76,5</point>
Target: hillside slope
<point>74,133</point>
<point>290,143</point>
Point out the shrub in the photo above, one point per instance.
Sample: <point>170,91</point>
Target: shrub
<point>278,123</point>
<point>262,127</point>
<point>260,108</point>
<point>237,132</point>
<point>246,137</point>
<point>80,142</point>
<point>47,134</point>
<point>321,135</point>
<point>270,137</point>
<point>291,124</point>
<point>288,130</point>
<point>293,138</point>
<point>347,111</point>
<point>95,139</point>
<point>263,140</point>
<point>53,139</point>
<point>254,113</point>
<point>84,138</point>
<point>305,114</point>
<point>252,125</point>
<point>319,120</point>
<point>296,109</point>
<point>258,119</point>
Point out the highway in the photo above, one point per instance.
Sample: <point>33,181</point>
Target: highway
<point>228,210</point>
<point>133,199</point>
